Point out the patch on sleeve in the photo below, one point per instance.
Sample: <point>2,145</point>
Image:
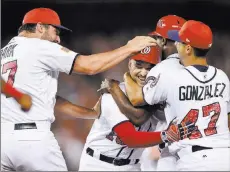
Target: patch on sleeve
<point>152,81</point>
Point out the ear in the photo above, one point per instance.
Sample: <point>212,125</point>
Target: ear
<point>39,28</point>
<point>188,49</point>
<point>164,41</point>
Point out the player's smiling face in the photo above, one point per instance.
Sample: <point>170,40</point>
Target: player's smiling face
<point>139,70</point>
<point>51,34</point>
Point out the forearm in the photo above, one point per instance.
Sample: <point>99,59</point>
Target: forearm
<point>67,108</point>
<point>136,115</point>
<point>97,63</point>
<point>135,139</point>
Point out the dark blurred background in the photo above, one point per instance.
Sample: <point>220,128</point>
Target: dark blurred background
<point>103,25</point>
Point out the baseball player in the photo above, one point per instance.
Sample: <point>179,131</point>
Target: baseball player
<point>31,63</point>
<point>24,100</point>
<point>167,161</point>
<point>113,142</point>
<point>198,92</point>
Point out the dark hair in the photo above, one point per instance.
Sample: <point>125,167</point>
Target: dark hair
<point>30,27</point>
<point>169,41</point>
<point>200,52</point>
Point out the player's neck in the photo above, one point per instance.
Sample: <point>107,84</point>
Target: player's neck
<point>29,35</point>
<point>169,51</point>
<point>195,61</point>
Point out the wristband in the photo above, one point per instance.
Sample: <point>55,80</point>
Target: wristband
<point>164,137</point>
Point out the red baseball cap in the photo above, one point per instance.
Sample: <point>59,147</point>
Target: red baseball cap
<point>167,23</point>
<point>194,33</point>
<point>45,16</point>
<point>149,54</point>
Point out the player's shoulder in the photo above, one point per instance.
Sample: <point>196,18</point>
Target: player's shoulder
<point>172,61</point>
<point>36,43</point>
<point>169,65</point>
<point>222,74</point>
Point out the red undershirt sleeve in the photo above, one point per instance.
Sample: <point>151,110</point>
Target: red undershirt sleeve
<point>134,139</point>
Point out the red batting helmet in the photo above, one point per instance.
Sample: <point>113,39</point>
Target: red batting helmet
<point>149,54</point>
<point>166,24</point>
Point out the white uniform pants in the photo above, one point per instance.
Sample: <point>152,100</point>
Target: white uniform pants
<point>30,149</point>
<point>167,161</point>
<point>216,159</point>
<point>89,163</point>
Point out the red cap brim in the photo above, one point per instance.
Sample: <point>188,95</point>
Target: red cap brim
<point>154,34</point>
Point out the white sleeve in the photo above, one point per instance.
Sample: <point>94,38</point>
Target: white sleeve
<point>155,90</point>
<point>54,57</point>
<point>229,108</point>
<point>111,112</point>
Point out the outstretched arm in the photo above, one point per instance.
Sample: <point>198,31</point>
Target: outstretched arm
<point>68,108</point>
<point>97,63</point>
<point>24,100</point>
<point>134,139</point>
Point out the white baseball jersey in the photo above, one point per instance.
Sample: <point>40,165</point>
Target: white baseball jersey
<point>170,64</point>
<point>102,139</point>
<point>201,97</point>
<point>32,66</point>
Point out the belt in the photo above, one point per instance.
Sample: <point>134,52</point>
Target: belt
<point>24,126</point>
<point>199,148</point>
<point>115,161</point>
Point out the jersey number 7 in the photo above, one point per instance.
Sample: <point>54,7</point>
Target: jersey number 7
<point>12,66</point>
<point>193,114</point>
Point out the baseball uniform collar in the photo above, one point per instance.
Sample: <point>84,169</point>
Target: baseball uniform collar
<point>175,55</point>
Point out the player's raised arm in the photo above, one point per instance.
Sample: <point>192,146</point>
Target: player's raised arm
<point>97,63</point>
<point>65,107</point>
<point>24,100</point>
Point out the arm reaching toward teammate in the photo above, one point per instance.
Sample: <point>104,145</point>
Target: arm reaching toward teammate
<point>137,115</point>
<point>76,111</point>
<point>134,139</point>
<point>24,100</point>
<point>97,63</point>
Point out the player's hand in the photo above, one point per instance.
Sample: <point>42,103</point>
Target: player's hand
<point>176,132</point>
<point>25,101</point>
<point>140,42</point>
<point>107,85</point>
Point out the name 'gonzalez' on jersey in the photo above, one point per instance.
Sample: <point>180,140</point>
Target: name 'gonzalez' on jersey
<point>198,96</point>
